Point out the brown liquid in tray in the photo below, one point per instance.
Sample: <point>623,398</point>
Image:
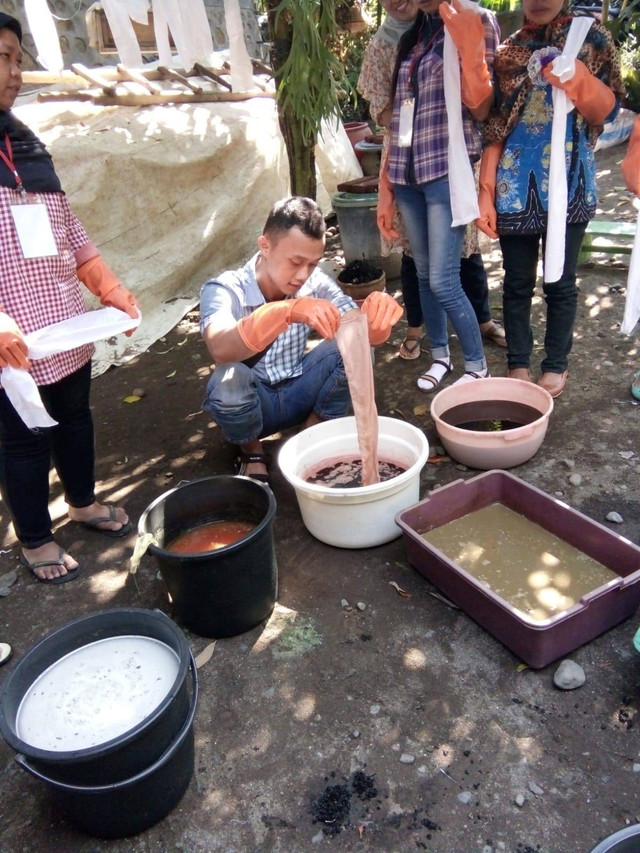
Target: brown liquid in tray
<point>531,569</point>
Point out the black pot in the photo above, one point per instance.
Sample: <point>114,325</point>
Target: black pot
<point>127,754</point>
<point>228,591</point>
<point>128,807</point>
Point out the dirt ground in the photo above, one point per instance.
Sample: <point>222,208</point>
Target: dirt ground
<point>400,726</point>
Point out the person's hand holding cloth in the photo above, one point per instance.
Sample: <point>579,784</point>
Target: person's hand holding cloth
<point>100,279</point>
<point>13,349</point>
<point>263,326</point>
<point>382,313</point>
<point>467,31</point>
<point>591,97</point>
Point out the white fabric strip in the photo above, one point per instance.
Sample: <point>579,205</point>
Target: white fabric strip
<point>44,33</point>
<point>19,385</point>
<point>462,185</point>
<point>563,67</point>
<point>632,301</point>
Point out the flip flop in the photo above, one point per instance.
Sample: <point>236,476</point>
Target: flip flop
<point>71,574</point>
<point>409,349</point>
<point>243,459</point>
<point>94,524</point>
<point>495,333</point>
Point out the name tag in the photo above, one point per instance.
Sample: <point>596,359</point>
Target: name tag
<point>34,230</point>
<point>405,128</point>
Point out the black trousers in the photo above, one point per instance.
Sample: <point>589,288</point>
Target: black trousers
<point>26,456</point>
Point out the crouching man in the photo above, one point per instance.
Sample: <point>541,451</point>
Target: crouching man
<point>255,322</point>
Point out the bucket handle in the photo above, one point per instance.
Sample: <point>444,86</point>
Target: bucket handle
<point>166,755</point>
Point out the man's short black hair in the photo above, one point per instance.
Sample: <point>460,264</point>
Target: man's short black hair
<point>9,23</point>
<point>295,212</point>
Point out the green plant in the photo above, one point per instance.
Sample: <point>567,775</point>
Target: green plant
<point>500,5</point>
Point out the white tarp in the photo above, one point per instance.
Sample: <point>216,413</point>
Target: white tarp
<point>173,195</point>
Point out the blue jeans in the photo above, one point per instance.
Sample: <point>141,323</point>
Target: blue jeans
<point>25,456</point>
<point>246,408</point>
<point>436,249</point>
<point>520,264</point>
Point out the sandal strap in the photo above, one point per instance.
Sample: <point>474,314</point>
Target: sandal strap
<point>245,458</point>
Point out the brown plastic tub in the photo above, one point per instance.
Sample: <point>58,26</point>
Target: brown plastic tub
<point>537,643</point>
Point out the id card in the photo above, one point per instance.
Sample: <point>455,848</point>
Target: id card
<point>34,230</point>
<point>405,127</point>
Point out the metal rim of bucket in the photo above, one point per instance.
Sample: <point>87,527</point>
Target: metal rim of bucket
<point>157,550</point>
<point>101,749</point>
<point>361,492</point>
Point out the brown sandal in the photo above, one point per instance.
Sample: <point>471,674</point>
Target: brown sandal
<point>495,333</point>
<point>410,348</point>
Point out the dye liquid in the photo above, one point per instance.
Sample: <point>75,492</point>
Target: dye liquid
<point>527,566</point>
<point>490,415</point>
<point>347,473</point>
<point>209,537</point>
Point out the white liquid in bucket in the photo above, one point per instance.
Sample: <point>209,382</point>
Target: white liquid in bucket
<point>96,693</point>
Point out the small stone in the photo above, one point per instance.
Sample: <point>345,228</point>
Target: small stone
<point>139,392</point>
<point>361,605</point>
<point>355,734</point>
<point>374,710</point>
<point>627,454</point>
<point>465,797</point>
<point>615,517</point>
<point>575,479</point>
<point>568,463</point>
<point>569,675</point>
<point>535,789</point>
<point>407,758</point>
<point>318,837</point>
<point>636,768</point>
<point>344,603</point>
<point>519,800</point>
<point>422,768</point>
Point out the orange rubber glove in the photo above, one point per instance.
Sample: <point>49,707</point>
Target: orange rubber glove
<point>261,328</point>
<point>467,31</point>
<point>386,207</point>
<point>488,221</point>
<point>382,312</point>
<point>591,97</point>
<point>103,283</point>
<point>13,349</point>
<point>631,163</point>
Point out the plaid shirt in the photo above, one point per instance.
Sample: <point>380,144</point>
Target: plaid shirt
<point>237,294</point>
<point>427,159</point>
<point>36,292</point>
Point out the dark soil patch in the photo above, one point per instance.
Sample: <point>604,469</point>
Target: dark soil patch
<point>359,272</point>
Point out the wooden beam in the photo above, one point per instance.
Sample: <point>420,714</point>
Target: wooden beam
<point>202,71</point>
<point>175,75</point>
<point>136,77</point>
<point>131,99</point>
<point>94,78</point>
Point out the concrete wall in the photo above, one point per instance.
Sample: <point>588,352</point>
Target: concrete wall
<point>74,41</point>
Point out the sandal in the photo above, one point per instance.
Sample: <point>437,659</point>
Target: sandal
<point>410,348</point>
<point>94,523</point>
<point>495,333</point>
<point>243,459</point>
<point>470,376</point>
<point>433,378</point>
<point>71,574</point>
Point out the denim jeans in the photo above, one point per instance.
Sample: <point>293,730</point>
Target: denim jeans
<point>246,408</point>
<point>473,278</point>
<point>436,249</point>
<point>25,456</point>
<point>520,263</point>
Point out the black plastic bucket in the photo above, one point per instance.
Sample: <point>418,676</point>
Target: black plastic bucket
<point>128,807</point>
<point>136,749</point>
<point>228,591</point>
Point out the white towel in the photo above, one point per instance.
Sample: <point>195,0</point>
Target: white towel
<point>20,386</point>
<point>462,185</point>
<point>563,67</point>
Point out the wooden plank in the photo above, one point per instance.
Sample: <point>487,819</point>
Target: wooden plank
<point>136,77</point>
<point>94,78</point>
<point>131,99</point>
<point>180,78</point>
<point>202,71</point>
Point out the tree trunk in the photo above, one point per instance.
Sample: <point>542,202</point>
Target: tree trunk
<point>301,154</point>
